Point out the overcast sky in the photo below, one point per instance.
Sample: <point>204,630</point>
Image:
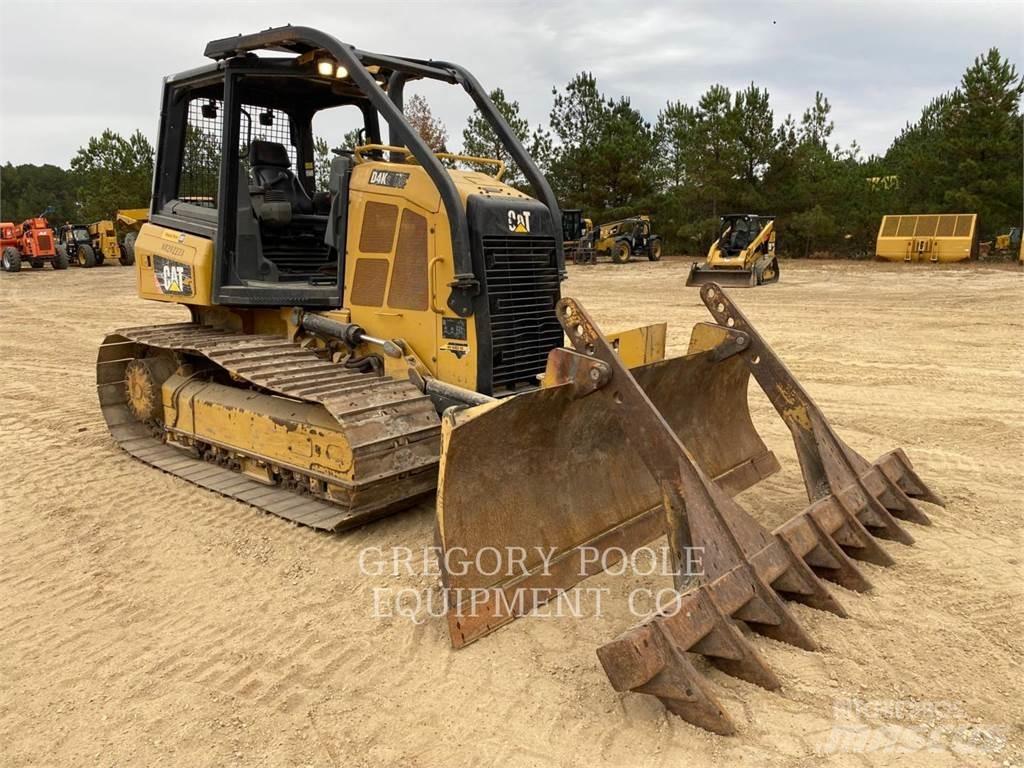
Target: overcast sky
<point>82,66</point>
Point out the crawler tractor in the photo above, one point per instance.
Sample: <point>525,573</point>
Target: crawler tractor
<point>31,241</point>
<point>743,255</point>
<point>398,335</point>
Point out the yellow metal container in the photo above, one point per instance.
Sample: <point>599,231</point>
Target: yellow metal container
<point>927,237</point>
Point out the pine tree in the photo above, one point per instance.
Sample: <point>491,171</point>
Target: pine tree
<point>113,172</point>
<point>480,140</point>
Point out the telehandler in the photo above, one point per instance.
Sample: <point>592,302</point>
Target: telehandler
<point>626,238</point>
<point>399,335</point>
<point>31,240</point>
<point>77,243</point>
<point>91,245</point>
<point>743,255</point>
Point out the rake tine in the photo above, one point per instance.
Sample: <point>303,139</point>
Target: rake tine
<point>805,586</point>
<point>649,661</point>
<point>766,614</point>
<point>880,521</point>
<point>900,504</point>
<point>840,568</point>
<point>731,652</point>
<point>858,540</point>
<point>910,481</point>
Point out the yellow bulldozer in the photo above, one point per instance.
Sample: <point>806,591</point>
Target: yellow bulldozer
<point>399,335</point>
<point>743,254</point>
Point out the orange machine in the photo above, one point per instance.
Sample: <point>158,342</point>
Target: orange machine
<point>32,240</point>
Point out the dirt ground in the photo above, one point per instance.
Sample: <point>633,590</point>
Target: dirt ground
<point>144,621</point>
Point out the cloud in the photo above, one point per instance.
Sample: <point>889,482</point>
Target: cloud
<point>878,63</point>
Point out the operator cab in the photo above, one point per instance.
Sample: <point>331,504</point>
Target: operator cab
<point>738,231</point>
<point>268,202</point>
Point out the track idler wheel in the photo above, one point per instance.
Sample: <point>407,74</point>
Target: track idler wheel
<point>143,378</point>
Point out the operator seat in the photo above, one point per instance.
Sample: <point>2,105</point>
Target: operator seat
<point>271,169</point>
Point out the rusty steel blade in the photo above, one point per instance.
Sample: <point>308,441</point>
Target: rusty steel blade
<point>551,471</point>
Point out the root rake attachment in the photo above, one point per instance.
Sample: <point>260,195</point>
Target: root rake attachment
<point>747,570</point>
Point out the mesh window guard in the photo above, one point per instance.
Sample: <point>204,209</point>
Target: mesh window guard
<point>200,168</point>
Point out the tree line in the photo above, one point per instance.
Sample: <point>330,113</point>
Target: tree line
<point>694,162</point>
<point>728,153</point>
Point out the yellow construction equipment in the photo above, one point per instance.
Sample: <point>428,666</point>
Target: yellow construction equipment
<point>131,219</point>
<point>577,242</point>
<point>399,335</point>
<point>626,238</point>
<point>106,245</point>
<point>742,255</point>
<point>1007,244</point>
<point>927,237</point>
<point>91,245</point>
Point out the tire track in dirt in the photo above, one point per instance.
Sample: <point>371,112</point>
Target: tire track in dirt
<point>150,621</point>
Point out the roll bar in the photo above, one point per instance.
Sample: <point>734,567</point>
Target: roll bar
<point>300,40</point>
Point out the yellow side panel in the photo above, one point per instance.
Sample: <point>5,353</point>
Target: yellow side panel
<point>174,266</point>
<point>640,346</point>
<point>398,267</point>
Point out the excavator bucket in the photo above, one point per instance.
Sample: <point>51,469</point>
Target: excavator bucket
<point>603,460</point>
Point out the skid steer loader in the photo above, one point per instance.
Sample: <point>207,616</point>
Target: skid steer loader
<point>400,335</point>
<point>742,256</point>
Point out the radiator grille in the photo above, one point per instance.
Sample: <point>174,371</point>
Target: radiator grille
<point>45,243</point>
<point>369,281</point>
<point>522,289</point>
<point>378,231</point>
<point>409,275</point>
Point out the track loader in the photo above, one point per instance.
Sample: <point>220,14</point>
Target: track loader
<point>742,256</point>
<point>399,335</point>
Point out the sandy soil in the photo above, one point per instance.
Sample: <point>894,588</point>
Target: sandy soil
<point>144,621</point>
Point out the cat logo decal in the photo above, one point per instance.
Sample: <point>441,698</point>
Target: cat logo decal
<point>518,221</point>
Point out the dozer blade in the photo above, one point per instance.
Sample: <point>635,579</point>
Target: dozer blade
<point>570,484</point>
<point>746,569</point>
